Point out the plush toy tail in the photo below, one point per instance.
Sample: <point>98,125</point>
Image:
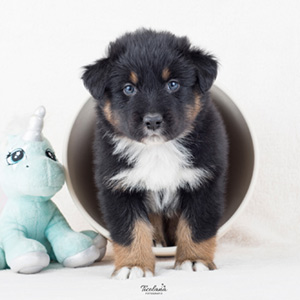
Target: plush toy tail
<point>36,123</point>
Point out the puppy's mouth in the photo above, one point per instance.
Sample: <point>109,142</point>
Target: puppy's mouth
<point>153,137</point>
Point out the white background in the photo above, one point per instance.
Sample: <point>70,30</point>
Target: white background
<point>44,44</point>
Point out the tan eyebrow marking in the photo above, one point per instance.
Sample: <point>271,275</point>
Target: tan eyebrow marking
<point>133,77</point>
<point>165,74</point>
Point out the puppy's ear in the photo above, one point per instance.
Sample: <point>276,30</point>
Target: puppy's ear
<point>206,68</point>
<point>95,77</point>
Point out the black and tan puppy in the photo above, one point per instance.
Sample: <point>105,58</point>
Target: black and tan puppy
<point>160,150</point>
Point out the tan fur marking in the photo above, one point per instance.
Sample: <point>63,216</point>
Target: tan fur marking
<point>157,223</point>
<point>133,77</point>
<point>171,228</point>
<point>139,253</point>
<point>165,74</point>
<point>194,110</point>
<point>189,250</point>
<point>109,115</point>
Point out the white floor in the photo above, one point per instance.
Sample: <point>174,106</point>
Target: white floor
<point>265,272</point>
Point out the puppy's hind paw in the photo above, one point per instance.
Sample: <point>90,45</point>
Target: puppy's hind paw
<point>131,273</point>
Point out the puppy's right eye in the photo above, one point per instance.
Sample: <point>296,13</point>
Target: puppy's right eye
<point>173,86</point>
<point>129,90</point>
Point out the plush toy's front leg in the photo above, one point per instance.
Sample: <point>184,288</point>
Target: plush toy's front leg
<point>98,240</point>
<point>72,249</point>
<point>23,255</point>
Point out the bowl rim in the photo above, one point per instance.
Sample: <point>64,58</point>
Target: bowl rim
<point>168,251</point>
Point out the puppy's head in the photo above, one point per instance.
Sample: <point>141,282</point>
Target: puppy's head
<point>151,86</point>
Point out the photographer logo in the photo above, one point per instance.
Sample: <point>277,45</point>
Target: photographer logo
<point>153,290</point>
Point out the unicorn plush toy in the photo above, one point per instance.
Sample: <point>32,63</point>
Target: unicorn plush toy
<point>32,229</point>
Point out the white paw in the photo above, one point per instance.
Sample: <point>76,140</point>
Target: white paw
<point>30,263</point>
<point>82,259</point>
<point>192,266</point>
<point>131,273</point>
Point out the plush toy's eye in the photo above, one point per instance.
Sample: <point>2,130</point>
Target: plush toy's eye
<point>173,86</point>
<point>50,154</point>
<point>15,156</point>
<point>129,90</point>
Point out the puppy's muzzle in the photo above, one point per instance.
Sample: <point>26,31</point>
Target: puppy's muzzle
<point>153,121</point>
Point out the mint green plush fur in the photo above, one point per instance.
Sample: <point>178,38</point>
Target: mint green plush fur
<point>30,221</point>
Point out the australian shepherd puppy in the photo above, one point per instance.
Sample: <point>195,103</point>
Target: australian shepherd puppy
<point>160,150</point>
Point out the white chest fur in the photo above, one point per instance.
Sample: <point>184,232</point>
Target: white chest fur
<point>156,167</point>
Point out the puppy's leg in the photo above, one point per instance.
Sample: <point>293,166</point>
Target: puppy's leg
<point>198,224</point>
<point>171,225</point>
<point>158,227</point>
<point>127,220</point>
<point>191,255</point>
<point>137,259</point>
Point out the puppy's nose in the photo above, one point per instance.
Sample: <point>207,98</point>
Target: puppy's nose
<point>153,121</point>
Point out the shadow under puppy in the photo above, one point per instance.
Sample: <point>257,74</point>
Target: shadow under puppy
<point>160,150</point>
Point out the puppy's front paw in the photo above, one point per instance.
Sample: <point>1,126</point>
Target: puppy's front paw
<point>193,256</point>
<point>131,273</point>
<point>136,260</point>
<point>194,266</point>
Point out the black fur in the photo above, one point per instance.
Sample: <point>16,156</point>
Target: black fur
<point>148,53</point>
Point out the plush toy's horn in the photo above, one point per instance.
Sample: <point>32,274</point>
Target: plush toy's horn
<point>34,130</point>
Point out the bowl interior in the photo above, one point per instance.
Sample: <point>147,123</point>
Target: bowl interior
<point>79,158</point>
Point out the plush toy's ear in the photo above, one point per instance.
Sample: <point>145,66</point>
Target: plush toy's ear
<point>206,68</point>
<point>95,77</point>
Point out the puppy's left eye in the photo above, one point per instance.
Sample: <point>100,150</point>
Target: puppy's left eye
<point>173,86</point>
<point>129,90</point>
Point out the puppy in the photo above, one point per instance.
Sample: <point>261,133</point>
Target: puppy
<point>160,150</point>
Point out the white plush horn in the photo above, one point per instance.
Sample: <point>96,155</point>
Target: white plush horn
<point>36,123</point>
